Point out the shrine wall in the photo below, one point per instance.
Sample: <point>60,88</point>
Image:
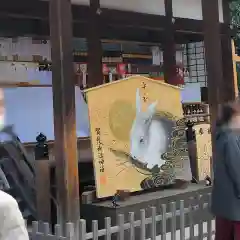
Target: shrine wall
<point>25,106</point>
<point>155,7</point>
<point>193,9</point>
<point>30,109</point>
<point>18,59</point>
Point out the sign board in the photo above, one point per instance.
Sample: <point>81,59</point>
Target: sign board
<point>138,135</point>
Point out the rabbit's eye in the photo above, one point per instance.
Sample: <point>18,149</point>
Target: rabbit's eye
<point>141,140</point>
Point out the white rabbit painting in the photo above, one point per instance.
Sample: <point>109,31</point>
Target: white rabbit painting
<point>149,135</point>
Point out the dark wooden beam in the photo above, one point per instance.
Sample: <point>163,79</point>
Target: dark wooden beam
<point>95,75</point>
<point>38,9</point>
<point>40,28</point>
<point>188,25</point>
<point>131,19</point>
<point>169,49</point>
<point>65,144</point>
<point>213,56</point>
<point>228,85</point>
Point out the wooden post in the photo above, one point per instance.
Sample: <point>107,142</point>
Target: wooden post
<point>95,74</point>
<point>43,180</point>
<point>65,145</point>
<point>213,55</point>
<point>228,89</point>
<point>43,190</point>
<point>235,60</point>
<point>169,49</point>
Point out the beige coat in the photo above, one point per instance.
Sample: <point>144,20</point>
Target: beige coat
<point>12,226</point>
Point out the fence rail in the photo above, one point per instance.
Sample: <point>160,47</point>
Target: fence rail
<point>127,229</point>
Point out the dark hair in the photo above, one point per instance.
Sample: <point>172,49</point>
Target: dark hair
<point>227,111</point>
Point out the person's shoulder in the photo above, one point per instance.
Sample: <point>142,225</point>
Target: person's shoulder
<point>6,200</point>
<point>233,137</point>
<point>235,134</point>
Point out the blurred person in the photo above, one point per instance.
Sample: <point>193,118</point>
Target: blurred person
<point>226,167</point>
<point>12,225</point>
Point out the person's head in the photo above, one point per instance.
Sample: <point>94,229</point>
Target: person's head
<point>230,115</point>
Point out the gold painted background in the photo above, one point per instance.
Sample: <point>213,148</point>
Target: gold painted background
<point>112,110</point>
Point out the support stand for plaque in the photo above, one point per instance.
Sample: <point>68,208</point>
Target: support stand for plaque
<point>43,188</point>
<point>144,200</point>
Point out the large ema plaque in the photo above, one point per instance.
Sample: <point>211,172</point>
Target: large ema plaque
<point>138,135</point>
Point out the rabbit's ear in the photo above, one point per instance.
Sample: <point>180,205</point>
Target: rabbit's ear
<point>152,109</point>
<point>138,102</point>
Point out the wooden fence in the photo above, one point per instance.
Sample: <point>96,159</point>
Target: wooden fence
<point>126,229</point>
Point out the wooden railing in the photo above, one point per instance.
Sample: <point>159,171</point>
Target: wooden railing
<point>134,228</point>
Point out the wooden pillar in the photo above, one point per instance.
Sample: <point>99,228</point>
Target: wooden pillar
<point>95,75</point>
<point>65,145</point>
<point>236,59</point>
<point>213,56</point>
<point>169,49</point>
<point>228,92</point>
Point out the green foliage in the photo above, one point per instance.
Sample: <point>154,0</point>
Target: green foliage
<point>235,13</point>
<point>235,23</point>
<point>235,18</point>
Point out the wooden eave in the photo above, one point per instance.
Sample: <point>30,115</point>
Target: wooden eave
<point>33,17</point>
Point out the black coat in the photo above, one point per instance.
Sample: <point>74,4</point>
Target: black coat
<point>226,185</point>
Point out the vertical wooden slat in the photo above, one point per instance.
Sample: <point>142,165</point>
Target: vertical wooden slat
<point>143,225</point>
<point>164,221</point>
<point>209,229</point>
<point>82,229</point>
<point>190,219</point>
<point>200,223</point>
<point>132,228</point>
<point>70,233</point>
<point>209,221</point>
<point>57,231</point>
<point>108,228</point>
<point>209,200</point>
<point>173,220</point>
<point>153,225</point>
<point>46,229</point>
<point>120,221</point>
<point>63,86</point>
<point>182,220</point>
<point>34,229</point>
<point>95,229</point>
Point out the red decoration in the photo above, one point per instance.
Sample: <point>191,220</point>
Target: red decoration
<point>121,69</point>
<point>178,79</point>
<point>105,69</point>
